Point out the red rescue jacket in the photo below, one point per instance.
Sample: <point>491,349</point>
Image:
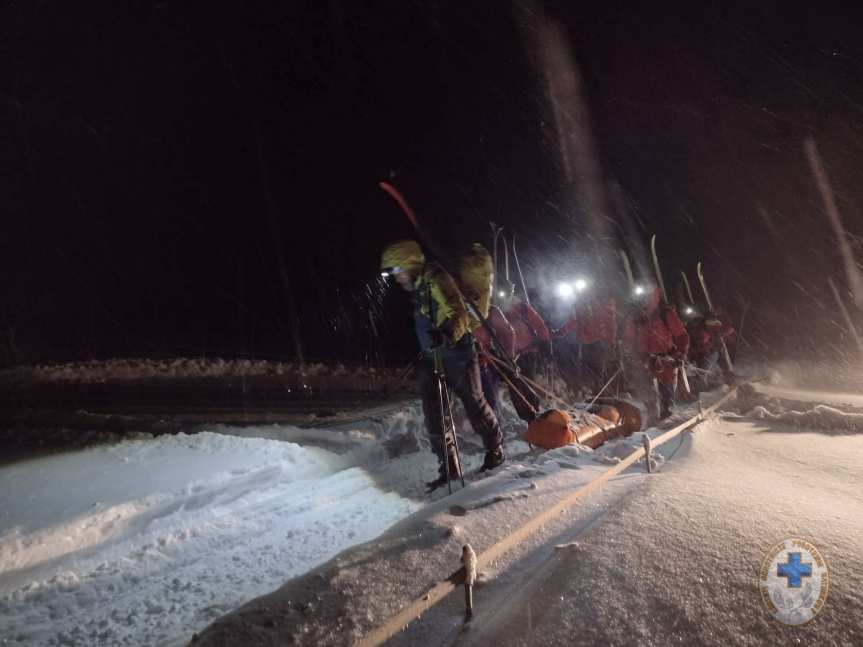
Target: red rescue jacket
<point>656,330</point>
<point>502,331</point>
<point>592,321</point>
<point>529,327</point>
<point>707,333</point>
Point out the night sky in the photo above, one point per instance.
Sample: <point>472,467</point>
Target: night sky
<point>200,178</point>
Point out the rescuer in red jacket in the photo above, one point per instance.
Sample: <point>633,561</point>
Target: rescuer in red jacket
<point>656,341</point>
<point>495,368</point>
<point>589,337</point>
<point>532,336</point>
<point>707,334</point>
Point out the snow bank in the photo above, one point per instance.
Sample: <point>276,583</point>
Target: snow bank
<point>142,542</point>
<point>819,417</point>
<point>128,369</point>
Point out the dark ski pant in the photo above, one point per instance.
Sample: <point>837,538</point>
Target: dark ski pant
<point>523,398</point>
<point>461,368</point>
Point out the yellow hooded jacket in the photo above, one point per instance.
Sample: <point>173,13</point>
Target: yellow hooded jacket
<point>437,295</point>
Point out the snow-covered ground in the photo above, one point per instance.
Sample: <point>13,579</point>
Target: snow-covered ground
<point>138,540</point>
<point>678,562</point>
<point>147,541</point>
<point>669,558</point>
<point>143,541</point>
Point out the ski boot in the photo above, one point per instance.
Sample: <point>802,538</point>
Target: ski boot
<point>493,458</point>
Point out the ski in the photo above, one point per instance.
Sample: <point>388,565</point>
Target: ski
<point>628,269</point>
<point>520,275</point>
<point>427,242</point>
<point>688,288</point>
<point>656,269</point>
<point>495,236</point>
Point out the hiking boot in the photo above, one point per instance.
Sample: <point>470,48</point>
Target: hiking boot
<point>493,458</point>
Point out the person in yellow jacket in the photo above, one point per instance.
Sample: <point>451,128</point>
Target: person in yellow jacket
<point>443,325</point>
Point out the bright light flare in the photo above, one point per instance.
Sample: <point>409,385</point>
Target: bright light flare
<point>639,290</point>
<point>501,294</point>
<point>580,285</point>
<point>565,290</point>
<point>689,310</point>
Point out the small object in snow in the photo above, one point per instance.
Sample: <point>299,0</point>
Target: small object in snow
<point>647,449</point>
<point>457,510</point>
<point>468,558</point>
<point>572,544</point>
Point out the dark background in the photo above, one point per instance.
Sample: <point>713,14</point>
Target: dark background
<point>199,178</point>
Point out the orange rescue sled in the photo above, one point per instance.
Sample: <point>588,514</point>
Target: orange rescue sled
<point>605,419</point>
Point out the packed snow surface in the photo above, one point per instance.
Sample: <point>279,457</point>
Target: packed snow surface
<point>146,540</point>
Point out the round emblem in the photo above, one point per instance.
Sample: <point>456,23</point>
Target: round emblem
<point>793,581</point>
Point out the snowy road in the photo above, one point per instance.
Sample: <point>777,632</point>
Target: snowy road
<point>678,562</point>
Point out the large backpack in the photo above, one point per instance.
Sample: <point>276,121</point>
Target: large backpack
<point>475,272</point>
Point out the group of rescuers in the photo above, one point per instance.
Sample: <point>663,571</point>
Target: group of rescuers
<point>646,346</point>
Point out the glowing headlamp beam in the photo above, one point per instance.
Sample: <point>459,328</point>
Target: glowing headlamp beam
<point>565,290</point>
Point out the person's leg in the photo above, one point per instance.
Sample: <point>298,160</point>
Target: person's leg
<point>430,395</point>
<point>666,382</point>
<point>463,375</point>
<point>490,378</point>
<point>642,385</point>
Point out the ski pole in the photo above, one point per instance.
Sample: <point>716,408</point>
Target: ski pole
<point>610,380</point>
<point>518,392</point>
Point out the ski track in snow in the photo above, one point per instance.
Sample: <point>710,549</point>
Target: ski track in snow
<point>146,541</point>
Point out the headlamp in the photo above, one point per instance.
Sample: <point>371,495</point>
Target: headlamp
<point>389,271</point>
